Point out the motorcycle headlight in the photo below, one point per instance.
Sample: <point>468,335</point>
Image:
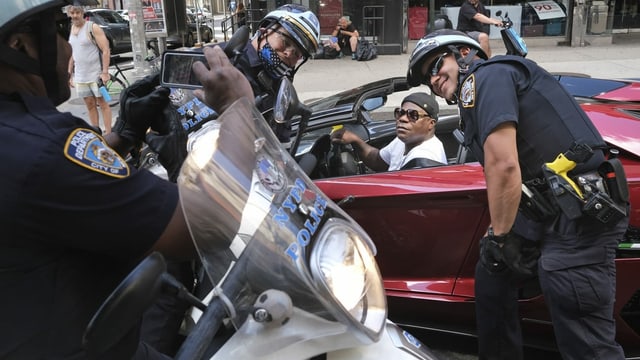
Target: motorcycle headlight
<point>343,264</point>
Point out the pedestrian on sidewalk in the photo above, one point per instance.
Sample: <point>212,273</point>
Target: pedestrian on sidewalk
<point>347,36</point>
<point>89,65</point>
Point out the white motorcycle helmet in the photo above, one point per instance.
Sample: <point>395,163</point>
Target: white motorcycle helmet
<point>300,23</point>
<point>435,43</point>
<point>39,16</point>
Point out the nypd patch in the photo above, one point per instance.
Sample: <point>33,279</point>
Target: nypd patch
<point>89,150</point>
<point>468,92</point>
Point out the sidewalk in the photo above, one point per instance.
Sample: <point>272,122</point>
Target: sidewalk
<point>320,78</point>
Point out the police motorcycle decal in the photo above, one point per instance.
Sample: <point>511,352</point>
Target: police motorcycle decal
<point>468,92</point>
<point>89,150</point>
<point>191,110</point>
<point>270,173</point>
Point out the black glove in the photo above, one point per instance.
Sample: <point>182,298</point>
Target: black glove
<point>510,250</point>
<point>169,141</point>
<point>140,104</point>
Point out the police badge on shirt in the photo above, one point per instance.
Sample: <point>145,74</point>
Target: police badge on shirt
<point>468,92</point>
<point>89,150</point>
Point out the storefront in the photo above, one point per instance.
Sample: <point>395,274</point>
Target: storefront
<point>574,22</point>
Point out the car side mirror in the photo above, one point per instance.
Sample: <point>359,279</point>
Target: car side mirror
<point>373,103</point>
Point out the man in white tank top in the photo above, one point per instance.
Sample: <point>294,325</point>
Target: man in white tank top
<point>86,65</point>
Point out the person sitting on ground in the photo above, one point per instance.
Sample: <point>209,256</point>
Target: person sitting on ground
<point>347,36</point>
<point>472,21</point>
<point>415,144</point>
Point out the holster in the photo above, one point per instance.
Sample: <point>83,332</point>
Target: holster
<point>614,177</point>
<point>565,197</point>
<point>533,204</point>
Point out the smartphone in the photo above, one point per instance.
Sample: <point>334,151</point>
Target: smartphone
<point>176,70</point>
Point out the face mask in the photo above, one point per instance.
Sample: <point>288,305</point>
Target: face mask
<point>273,65</point>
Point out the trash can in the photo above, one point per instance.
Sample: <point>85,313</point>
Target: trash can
<point>597,21</point>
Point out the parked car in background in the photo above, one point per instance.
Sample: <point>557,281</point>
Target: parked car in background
<point>115,27</point>
<point>188,38</point>
<point>124,14</point>
<point>202,13</point>
<point>206,33</point>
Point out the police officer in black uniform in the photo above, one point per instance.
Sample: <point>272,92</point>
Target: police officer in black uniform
<point>75,217</point>
<point>517,117</point>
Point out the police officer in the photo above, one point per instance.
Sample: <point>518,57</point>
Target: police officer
<point>516,117</point>
<point>75,217</point>
<point>286,38</point>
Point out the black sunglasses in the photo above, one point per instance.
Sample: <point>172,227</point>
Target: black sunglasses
<point>436,65</point>
<point>413,115</point>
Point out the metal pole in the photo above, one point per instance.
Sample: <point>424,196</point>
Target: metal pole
<point>138,39</point>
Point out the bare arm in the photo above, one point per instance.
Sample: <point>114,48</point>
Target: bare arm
<point>72,66</point>
<point>502,174</point>
<point>486,20</point>
<point>103,45</point>
<point>336,31</point>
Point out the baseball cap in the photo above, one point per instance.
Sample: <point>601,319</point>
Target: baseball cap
<point>426,101</point>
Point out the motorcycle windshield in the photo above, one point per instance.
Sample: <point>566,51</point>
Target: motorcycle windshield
<point>259,223</point>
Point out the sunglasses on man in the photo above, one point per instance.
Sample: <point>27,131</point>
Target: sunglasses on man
<point>436,65</point>
<point>412,115</point>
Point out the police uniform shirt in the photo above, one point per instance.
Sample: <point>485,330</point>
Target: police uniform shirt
<point>513,89</point>
<point>75,220</point>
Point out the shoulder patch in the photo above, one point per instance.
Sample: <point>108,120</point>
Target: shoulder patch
<point>89,150</point>
<point>468,92</point>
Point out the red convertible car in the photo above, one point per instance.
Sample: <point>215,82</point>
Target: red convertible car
<point>426,223</point>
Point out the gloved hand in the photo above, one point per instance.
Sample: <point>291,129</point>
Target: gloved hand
<point>511,250</point>
<point>491,255</point>
<point>140,104</point>
<point>169,140</point>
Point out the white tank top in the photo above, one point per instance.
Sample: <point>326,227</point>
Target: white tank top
<point>85,56</point>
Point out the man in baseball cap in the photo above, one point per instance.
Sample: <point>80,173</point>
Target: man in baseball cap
<point>415,144</point>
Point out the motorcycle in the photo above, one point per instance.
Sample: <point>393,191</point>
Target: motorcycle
<point>294,276</point>
<point>512,41</point>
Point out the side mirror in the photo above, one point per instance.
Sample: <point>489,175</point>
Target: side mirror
<point>499,12</point>
<point>373,103</point>
<point>287,102</point>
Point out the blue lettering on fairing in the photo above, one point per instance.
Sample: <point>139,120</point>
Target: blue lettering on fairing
<point>203,112</point>
<point>311,224</point>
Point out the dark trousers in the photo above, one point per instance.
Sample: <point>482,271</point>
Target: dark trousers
<point>498,323</point>
<point>581,301</point>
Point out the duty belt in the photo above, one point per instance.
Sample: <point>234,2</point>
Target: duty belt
<point>601,193</point>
